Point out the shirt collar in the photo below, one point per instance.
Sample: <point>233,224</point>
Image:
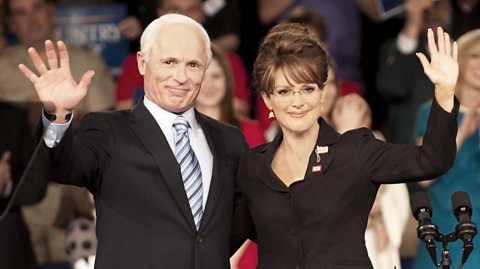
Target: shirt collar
<point>166,118</point>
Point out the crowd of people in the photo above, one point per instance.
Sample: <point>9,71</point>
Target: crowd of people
<point>235,142</point>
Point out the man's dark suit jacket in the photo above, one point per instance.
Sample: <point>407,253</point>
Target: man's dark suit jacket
<point>320,222</point>
<point>16,136</point>
<point>144,219</point>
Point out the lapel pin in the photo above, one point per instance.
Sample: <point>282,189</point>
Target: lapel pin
<point>316,168</point>
<point>320,150</point>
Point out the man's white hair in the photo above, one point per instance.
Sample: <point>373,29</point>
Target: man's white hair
<point>152,30</point>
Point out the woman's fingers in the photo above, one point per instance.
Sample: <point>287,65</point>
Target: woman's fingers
<point>431,41</point>
<point>448,48</point>
<point>440,40</point>
<point>455,51</point>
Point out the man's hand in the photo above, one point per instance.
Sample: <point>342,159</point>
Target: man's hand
<point>54,84</point>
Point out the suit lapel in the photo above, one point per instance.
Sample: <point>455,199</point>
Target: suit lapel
<point>147,129</point>
<point>215,142</point>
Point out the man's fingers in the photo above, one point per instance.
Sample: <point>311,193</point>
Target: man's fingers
<point>86,79</point>
<point>51,54</point>
<point>37,61</point>
<point>63,53</point>
<point>28,73</point>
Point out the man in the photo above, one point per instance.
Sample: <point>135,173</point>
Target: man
<point>400,78</point>
<point>32,22</point>
<point>15,151</point>
<point>146,217</point>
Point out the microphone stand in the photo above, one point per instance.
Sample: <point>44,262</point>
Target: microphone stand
<point>445,260</point>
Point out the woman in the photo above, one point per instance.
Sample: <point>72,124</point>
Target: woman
<point>305,197</point>
<point>216,98</point>
<point>465,174</point>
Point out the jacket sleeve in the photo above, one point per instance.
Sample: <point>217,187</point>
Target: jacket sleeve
<point>242,224</point>
<point>393,163</point>
<point>80,160</point>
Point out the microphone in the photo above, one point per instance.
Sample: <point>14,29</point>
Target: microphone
<point>465,229</point>
<point>426,230</point>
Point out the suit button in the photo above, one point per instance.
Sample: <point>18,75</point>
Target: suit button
<point>293,230</point>
<point>200,239</point>
<point>287,196</point>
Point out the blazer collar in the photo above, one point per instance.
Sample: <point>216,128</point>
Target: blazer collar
<point>327,137</point>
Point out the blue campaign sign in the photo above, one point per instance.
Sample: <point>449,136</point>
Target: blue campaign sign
<point>96,27</point>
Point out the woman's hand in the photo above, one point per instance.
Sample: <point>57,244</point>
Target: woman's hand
<point>442,70</point>
<point>55,86</point>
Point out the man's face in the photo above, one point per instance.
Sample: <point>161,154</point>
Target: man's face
<point>32,21</point>
<point>189,8</point>
<point>174,67</point>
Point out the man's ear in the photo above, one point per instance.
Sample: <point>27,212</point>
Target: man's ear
<point>141,62</point>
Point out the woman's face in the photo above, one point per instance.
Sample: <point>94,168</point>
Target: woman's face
<point>471,73</point>
<point>331,92</point>
<point>214,86</point>
<point>296,106</point>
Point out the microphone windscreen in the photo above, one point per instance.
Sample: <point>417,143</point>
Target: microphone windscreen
<point>461,201</point>
<point>418,201</point>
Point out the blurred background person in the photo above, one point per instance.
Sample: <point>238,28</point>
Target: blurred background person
<point>3,40</point>
<point>344,35</point>
<point>16,148</point>
<point>32,22</point>
<point>465,16</point>
<point>400,78</point>
<point>216,98</point>
<point>465,174</point>
<point>139,14</point>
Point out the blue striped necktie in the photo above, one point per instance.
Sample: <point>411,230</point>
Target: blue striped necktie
<point>190,168</point>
